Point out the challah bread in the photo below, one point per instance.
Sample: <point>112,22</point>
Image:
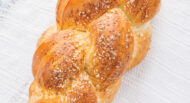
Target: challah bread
<point>82,58</point>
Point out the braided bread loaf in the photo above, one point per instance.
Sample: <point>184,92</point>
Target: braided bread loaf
<point>82,58</point>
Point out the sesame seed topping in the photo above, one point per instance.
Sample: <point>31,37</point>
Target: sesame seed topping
<point>98,75</point>
<point>141,34</point>
<point>98,85</point>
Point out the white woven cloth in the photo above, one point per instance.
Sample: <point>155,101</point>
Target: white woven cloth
<point>163,77</point>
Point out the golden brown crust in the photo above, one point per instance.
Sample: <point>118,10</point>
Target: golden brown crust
<point>43,95</point>
<point>109,51</point>
<point>47,35</point>
<point>64,60</point>
<point>142,38</point>
<point>140,11</point>
<point>79,13</point>
<point>82,90</point>
<point>82,58</point>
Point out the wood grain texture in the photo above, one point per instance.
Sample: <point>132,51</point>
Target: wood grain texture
<point>163,77</point>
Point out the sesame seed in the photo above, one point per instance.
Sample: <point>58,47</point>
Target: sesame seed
<point>98,85</point>
<point>141,34</point>
<point>98,75</point>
